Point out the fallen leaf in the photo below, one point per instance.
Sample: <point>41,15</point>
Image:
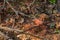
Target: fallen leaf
<point>37,22</point>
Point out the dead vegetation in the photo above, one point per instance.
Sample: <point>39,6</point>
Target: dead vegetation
<point>29,20</point>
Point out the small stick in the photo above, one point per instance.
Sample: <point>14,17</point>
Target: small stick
<point>3,35</point>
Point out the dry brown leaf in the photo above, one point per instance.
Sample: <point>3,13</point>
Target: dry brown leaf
<point>57,25</point>
<point>26,26</point>
<point>37,22</point>
<point>54,37</point>
<point>43,32</point>
<point>43,16</point>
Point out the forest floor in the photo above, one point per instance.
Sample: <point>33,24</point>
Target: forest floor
<point>29,21</point>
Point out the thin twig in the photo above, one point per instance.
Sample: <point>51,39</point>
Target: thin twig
<point>11,7</point>
<point>4,3</point>
<point>31,3</point>
<point>3,35</point>
<point>10,29</point>
<point>16,11</point>
<point>18,31</point>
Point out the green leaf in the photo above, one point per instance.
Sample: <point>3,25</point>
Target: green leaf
<point>52,1</point>
<point>57,31</point>
<point>52,25</point>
